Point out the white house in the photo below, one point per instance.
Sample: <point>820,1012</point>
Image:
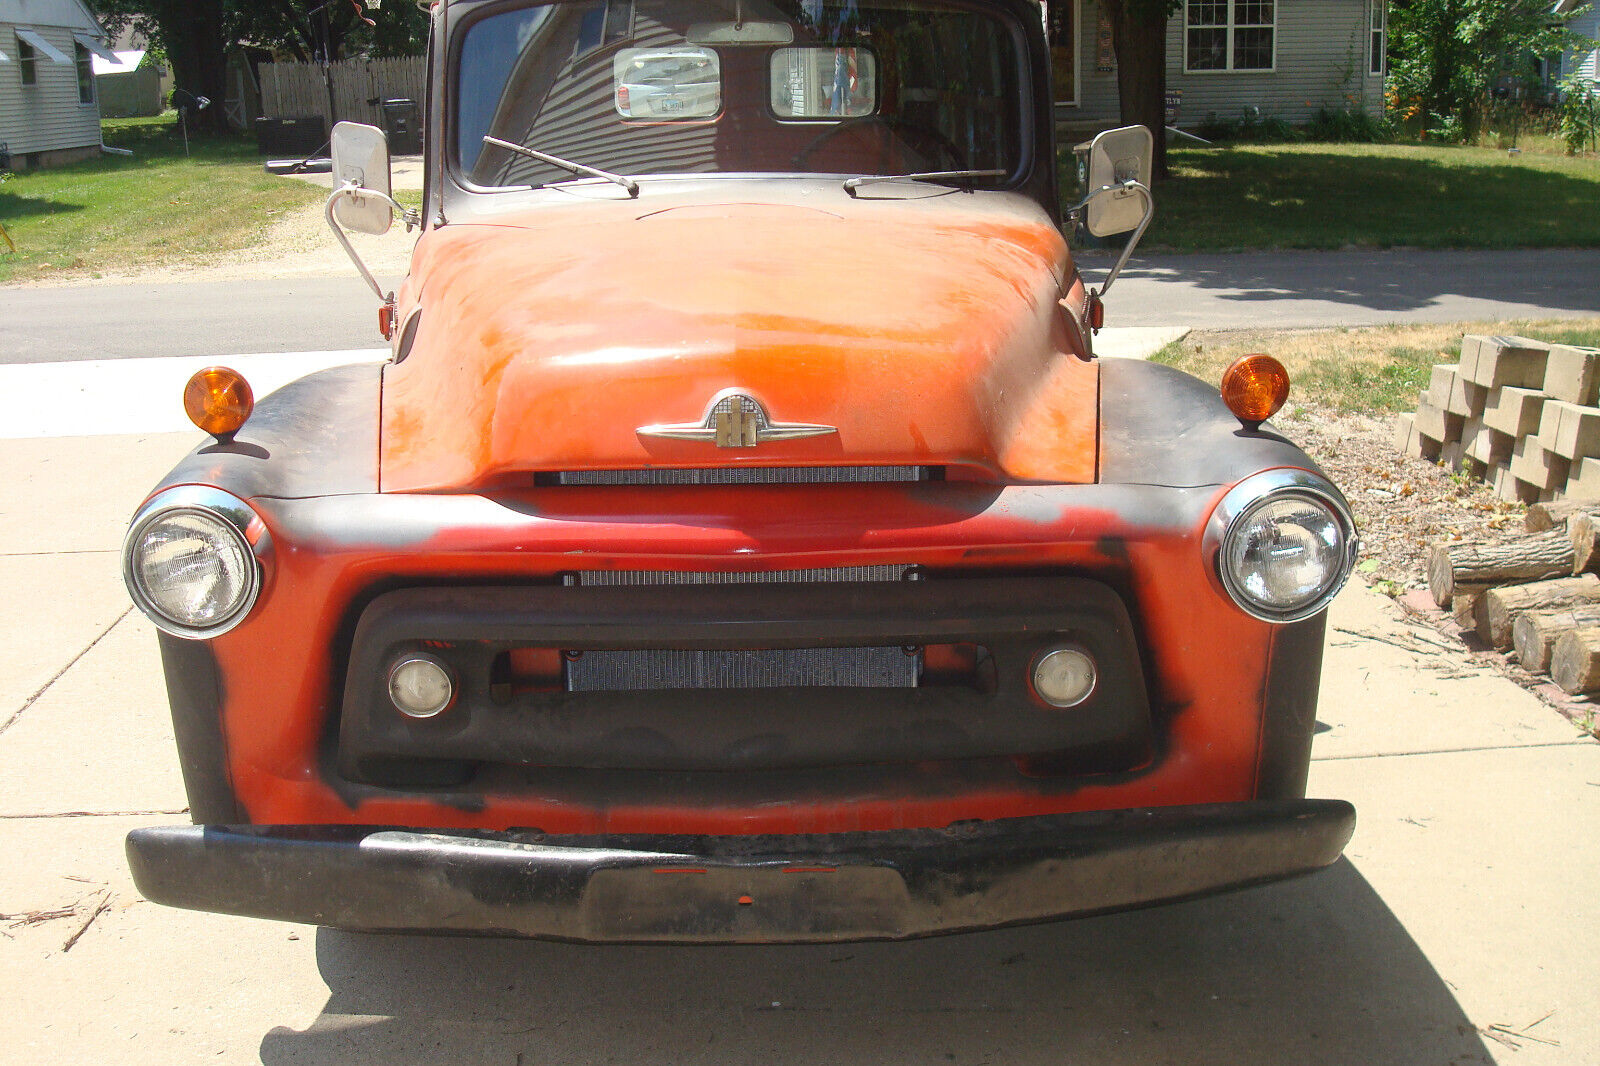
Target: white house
<point>1585,23</point>
<point>1286,59</point>
<point>48,110</point>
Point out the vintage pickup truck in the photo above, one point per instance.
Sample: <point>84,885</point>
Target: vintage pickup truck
<point>743,541</point>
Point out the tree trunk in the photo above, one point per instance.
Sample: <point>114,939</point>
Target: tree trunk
<point>1454,568</point>
<point>192,33</point>
<point>1139,36</point>
<point>1534,633</point>
<point>1543,516</point>
<point>1575,661</point>
<point>1502,605</point>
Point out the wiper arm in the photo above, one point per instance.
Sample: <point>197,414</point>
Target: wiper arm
<point>936,176</point>
<point>566,164</point>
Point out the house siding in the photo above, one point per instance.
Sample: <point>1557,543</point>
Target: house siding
<point>45,116</point>
<point>1584,64</point>
<point>1322,61</point>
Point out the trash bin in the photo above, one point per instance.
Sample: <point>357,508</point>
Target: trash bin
<point>402,121</point>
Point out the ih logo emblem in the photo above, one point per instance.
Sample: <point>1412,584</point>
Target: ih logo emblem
<point>735,419</point>
<point>736,427</point>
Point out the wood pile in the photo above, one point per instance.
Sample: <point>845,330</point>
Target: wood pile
<point>1517,413</point>
<point>1538,595</point>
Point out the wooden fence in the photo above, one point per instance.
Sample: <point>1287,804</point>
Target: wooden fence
<point>291,90</point>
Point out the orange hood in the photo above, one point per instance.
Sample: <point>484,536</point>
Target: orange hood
<point>547,339</point>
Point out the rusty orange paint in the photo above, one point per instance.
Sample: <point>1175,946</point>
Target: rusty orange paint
<point>1204,651</point>
<point>549,337</point>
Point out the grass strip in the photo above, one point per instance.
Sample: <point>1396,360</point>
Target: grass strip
<point>1376,370</point>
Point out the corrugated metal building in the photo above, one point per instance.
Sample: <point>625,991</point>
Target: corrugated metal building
<point>1284,58</point>
<point>48,108</point>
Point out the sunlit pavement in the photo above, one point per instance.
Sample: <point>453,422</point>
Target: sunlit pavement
<point>1465,901</point>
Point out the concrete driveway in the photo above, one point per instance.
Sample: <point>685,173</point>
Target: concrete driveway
<point>1465,902</point>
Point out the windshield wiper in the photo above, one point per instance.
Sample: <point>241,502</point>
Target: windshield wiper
<point>566,164</point>
<point>936,176</point>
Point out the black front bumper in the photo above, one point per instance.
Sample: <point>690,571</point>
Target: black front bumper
<point>846,886</point>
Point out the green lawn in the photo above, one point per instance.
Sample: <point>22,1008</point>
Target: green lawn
<point>117,213</point>
<point>1375,370</point>
<point>1366,195</point>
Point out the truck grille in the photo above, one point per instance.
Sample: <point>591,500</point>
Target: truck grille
<point>661,668</point>
<point>669,668</point>
<point>747,475</point>
<point>888,572</point>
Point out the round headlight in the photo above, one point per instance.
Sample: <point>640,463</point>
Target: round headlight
<point>1285,555</point>
<point>191,571</point>
<point>1282,543</point>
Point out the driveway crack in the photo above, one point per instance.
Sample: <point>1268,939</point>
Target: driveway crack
<point>31,700</point>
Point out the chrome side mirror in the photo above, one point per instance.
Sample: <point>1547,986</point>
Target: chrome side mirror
<point>1116,158</point>
<point>1117,193</point>
<point>361,159</point>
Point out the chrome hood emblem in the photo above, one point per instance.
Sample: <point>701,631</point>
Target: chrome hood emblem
<point>735,419</point>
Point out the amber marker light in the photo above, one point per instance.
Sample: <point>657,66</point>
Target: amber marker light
<point>1254,388</point>
<point>218,400</point>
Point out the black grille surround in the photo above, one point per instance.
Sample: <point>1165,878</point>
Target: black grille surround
<point>719,729</point>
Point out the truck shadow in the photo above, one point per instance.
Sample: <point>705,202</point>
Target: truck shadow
<point>1311,971</point>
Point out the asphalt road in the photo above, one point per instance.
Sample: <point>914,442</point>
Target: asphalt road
<point>1275,290</point>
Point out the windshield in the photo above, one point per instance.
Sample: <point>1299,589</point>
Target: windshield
<point>637,87</point>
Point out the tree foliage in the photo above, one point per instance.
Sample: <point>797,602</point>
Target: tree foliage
<point>295,28</point>
<point>1446,56</point>
<point>196,35</point>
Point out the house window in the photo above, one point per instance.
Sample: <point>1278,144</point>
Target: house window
<point>1229,34</point>
<point>27,62</point>
<point>80,55</point>
<point>1375,64</point>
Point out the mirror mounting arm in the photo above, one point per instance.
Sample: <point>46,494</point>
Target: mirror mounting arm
<point>1126,188</point>
<point>352,189</point>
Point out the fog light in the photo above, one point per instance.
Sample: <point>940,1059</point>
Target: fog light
<point>1064,677</point>
<point>421,687</point>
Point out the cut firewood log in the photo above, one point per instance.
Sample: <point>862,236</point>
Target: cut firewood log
<point>1502,605</point>
<point>1575,660</point>
<point>1583,529</point>
<point>1556,513</point>
<point>1464,608</point>
<point>1534,633</point>
<point>1474,567</point>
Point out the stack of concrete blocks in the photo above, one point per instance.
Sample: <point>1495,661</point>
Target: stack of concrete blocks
<point>1518,413</point>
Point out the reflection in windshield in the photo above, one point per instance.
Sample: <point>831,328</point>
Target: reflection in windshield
<point>854,87</point>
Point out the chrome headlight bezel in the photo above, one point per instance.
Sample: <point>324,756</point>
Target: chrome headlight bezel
<point>1246,498</point>
<point>237,521</point>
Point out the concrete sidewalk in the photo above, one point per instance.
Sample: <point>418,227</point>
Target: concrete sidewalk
<point>1465,901</point>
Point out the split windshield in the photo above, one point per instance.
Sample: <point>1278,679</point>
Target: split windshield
<point>640,87</point>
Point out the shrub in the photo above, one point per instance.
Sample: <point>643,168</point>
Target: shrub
<point>1580,115</point>
<point>1347,126</point>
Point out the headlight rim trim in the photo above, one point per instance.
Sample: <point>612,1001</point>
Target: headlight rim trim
<point>1259,489</point>
<point>234,515</point>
